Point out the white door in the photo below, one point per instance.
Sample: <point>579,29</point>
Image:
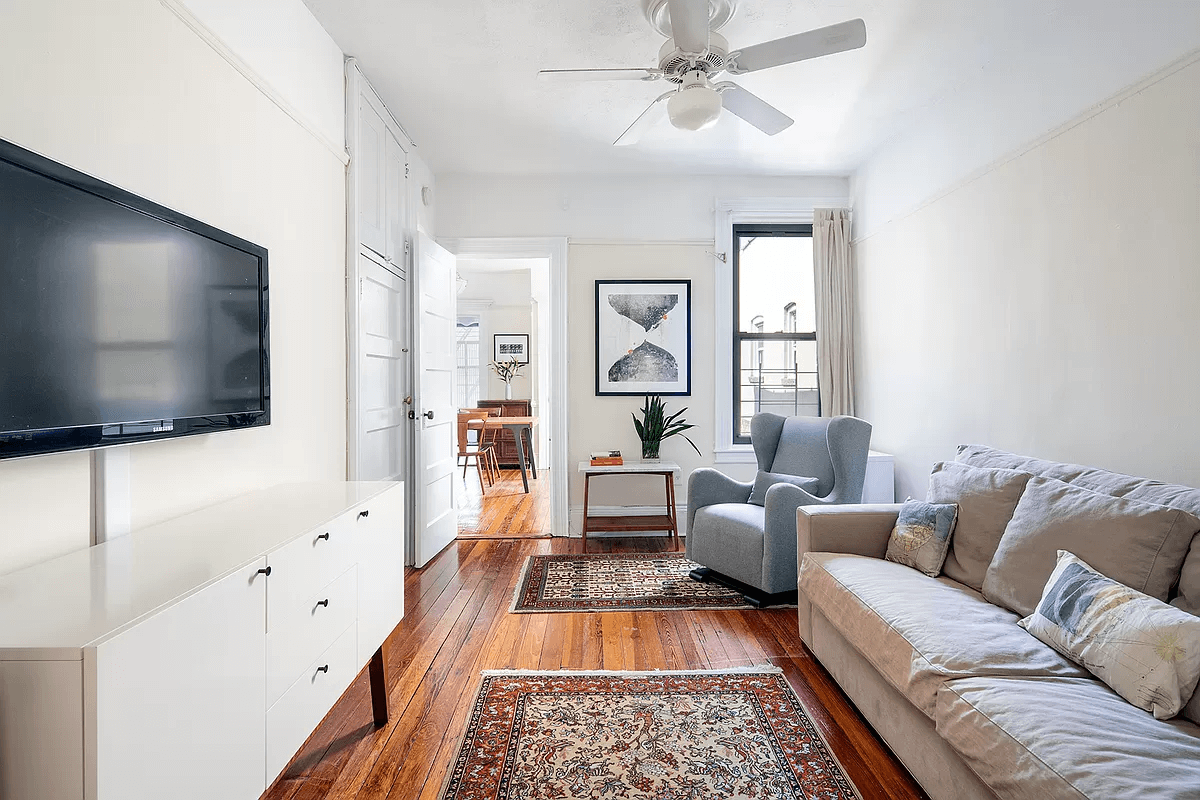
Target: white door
<point>434,516</point>
<point>382,365</point>
<point>372,176</point>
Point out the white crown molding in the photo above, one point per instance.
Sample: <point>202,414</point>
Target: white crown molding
<point>219,46</point>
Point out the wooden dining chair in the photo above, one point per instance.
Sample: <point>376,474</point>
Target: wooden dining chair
<point>466,454</point>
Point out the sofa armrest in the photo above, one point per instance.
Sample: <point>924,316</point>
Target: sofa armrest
<point>708,487</point>
<point>861,529</point>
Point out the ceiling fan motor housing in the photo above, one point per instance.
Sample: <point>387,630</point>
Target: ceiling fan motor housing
<point>675,64</point>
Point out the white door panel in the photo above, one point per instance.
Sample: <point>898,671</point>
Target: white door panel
<point>372,192</point>
<point>382,422</point>
<point>435,516</point>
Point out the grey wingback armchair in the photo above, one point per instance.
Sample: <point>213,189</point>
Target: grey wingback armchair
<point>754,544</point>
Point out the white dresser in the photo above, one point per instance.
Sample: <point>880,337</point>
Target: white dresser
<point>191,659</point>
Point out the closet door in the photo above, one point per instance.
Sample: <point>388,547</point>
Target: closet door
<point>394,193</point>
<point>180,699</point>
<point>371,178</point>
<point>383,365</point>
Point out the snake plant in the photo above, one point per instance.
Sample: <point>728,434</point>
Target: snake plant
<point>655,425</point>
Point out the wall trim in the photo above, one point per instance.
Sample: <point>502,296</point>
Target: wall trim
<point>1096,110</point>
<point>554,248</point>
<point>219,46</point>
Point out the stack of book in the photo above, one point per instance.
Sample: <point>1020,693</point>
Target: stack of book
<point>607,458</point>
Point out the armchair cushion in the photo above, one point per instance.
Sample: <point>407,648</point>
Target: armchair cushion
<point>765,480</point>
<point>731,535</point>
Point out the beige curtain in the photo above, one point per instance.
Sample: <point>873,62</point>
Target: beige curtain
<point>834,279</point>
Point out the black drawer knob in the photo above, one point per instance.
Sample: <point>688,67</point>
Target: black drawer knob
<point>323,669</point>
<point>363,514</point>
<point>264,571</point>
<point>324,536</point>
<point>324,602</point>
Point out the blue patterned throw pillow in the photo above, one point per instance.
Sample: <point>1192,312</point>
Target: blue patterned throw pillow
<point>921,537</point>
<point>1145,650</point>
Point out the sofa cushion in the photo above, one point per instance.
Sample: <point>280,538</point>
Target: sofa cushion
<point>1114,484</point>
<point>765,480</point>
<point>919,631</point>
<point>1145,650</point>
<point>986,498</point>
<point>729,538</point>
<point>1139,544</point>
<point>1050,738</point>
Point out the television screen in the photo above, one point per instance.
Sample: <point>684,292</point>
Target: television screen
<point>120,320</point>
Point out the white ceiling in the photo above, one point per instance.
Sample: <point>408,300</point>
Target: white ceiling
<point>460,75</point>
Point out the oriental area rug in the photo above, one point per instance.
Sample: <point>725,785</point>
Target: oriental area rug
<point>691,735</point>
<point>617,582</point>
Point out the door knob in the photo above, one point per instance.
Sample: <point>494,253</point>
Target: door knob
<point>428,414</point>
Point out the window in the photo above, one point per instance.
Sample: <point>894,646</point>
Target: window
<point>466,383</point>
<point>774,343</point>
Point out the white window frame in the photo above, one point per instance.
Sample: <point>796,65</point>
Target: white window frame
<point>730,212</point>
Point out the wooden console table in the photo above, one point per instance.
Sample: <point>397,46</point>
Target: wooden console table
<point>653,522</point>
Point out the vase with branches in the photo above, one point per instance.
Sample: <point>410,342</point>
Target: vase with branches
<point>656,425</point>
<point>506,371</point>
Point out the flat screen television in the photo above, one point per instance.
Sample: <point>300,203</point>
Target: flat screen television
<point>121,321</point>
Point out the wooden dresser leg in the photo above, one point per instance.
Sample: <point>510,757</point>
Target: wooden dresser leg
<point>378,689</point>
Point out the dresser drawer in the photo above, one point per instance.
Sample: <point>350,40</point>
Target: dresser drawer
<point>301,567</point>
<point>308,700</point>
<point>306,632</point>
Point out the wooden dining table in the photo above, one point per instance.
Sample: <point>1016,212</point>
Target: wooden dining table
<point>522,431</point>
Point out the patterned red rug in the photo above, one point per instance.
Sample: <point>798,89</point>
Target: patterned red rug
<point>643,736</point>
<point>617,582</point>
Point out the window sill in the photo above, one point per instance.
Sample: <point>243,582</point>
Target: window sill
<point>737,454</point>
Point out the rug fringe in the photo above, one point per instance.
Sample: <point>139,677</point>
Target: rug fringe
<point>759,669</point>
<point>516,598</point>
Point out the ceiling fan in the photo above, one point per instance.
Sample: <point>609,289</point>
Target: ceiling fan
<point>695,53</point>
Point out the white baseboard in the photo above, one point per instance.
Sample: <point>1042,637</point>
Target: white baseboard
<point>576,522</point>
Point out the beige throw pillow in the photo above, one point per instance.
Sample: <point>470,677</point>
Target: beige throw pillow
<point>986,498</point>
<point>1145,650</point>
<point>1139,544</point>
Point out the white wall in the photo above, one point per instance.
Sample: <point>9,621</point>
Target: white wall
<point>627,209</point>
<point>125,91</point>
<point>1048,306</point>
<point>282,42</point>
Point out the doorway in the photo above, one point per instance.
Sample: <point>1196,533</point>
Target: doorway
<point>512,299</point>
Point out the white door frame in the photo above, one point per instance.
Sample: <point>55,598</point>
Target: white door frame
<point>554,249</point>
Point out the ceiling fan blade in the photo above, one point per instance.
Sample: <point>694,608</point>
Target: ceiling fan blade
<point>556,75</point>
<point>649,118</point>
<point>758,112</point>
<point>800,47</point>
<point>689,24</point>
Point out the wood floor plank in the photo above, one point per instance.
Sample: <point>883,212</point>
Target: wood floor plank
<point>457,625</point>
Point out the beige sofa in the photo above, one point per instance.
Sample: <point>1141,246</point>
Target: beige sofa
<point>973,705</point>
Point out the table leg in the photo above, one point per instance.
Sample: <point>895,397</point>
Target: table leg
<point>671,510</point>
<point>516,432</point>
<point>379,707</point>
<point>587,480</point>
<point>532,459</point>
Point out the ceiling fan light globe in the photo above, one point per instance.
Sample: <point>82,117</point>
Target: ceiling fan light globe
<point>694,108</point>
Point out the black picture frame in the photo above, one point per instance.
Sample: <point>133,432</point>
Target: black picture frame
<point>659,314</point>
<point>502,341</point>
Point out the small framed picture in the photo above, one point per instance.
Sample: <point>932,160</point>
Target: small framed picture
<point>643,337</point>
<point>508,346</point>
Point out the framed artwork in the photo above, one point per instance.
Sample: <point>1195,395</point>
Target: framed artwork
<point>507,346</point>
<point>643,338</point>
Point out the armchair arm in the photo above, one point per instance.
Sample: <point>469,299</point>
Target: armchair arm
<point>861,529</point>
<point>782,505</point>
<point>707,487</point>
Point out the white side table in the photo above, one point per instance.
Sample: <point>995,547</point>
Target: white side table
<point>665,522</point>
<point>880,483</point>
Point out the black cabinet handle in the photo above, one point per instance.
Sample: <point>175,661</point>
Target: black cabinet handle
<point>362,514</point>
<point>264,571</point>
<point>324,602</point>
<point>324,536</point>
<point>323,669</point>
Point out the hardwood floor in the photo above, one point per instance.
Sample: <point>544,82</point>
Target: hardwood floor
<point>457,623</point>
<point>504,509</point>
